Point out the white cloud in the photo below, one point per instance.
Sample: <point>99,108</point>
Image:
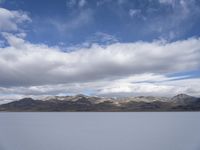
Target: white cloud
<point>141,84</point>
<point>134,12</point>
<point>26,64</point>
<point>138,89</point>
<point>9,20</point>
<point>14,41</point>
<point>152,84</point>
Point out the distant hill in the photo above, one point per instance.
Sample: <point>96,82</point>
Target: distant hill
<point>181,102</point>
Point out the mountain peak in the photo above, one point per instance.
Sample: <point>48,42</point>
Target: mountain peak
<point>183,99</point>
<point>182,96</point>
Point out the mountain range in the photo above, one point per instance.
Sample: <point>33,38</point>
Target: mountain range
<point>181,102</point>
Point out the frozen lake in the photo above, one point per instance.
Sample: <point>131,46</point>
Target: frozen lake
<point>100,131</point>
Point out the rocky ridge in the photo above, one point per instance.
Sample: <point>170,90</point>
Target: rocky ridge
<point>181,102</point>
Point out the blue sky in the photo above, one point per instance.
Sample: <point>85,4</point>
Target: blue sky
<point>73,22</point>
<point>106,47</point>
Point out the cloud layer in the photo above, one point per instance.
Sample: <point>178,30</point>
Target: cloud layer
<point>117,68</point>
<point>113,69</point>
<point>23,63</point>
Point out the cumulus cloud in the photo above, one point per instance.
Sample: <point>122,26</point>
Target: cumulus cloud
<point>9,20</point>
<point>26,64</point>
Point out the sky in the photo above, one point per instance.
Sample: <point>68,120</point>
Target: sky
<point>99,47</point>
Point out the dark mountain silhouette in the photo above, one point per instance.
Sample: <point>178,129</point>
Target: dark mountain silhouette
<point>181,102</point>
